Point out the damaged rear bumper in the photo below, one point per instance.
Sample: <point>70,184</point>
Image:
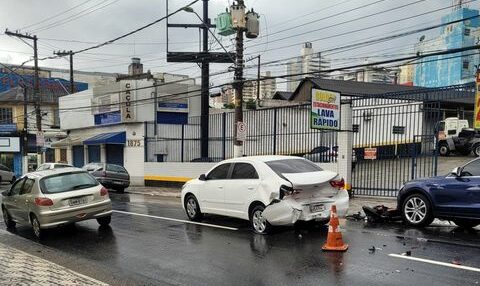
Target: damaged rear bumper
<point>289,211</point>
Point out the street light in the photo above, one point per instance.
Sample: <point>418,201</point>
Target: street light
<point>189,9</point>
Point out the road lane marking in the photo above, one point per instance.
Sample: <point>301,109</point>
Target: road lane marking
<point>436,262</point>
<point>177,220</point>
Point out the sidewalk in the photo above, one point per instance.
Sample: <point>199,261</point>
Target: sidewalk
<point>20,268</point>
<point>355,204</point>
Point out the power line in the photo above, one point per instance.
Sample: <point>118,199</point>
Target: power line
<point>363,29</point>
<point>136,30</point>
<point>70,18</point>
<point>395,36</point>
<point>55,16</point>
<point>331,16</point>
<point>403,59</point>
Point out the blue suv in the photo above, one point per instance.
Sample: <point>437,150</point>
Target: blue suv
<point>454,197</point>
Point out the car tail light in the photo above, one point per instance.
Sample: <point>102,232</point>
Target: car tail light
<point>286,191</point>
<point>43,202</point>
<point>339,184</point>
<point>103,191</point>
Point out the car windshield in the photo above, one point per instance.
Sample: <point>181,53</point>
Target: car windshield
<point>290,166</point>
<point>93,167</point>
<point>116,168</point>
<point>67,182</point>
<point>59,166</point>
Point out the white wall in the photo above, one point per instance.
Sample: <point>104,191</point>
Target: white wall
<point>76,118</point>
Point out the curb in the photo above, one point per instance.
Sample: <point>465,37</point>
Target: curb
<point>158,194</point>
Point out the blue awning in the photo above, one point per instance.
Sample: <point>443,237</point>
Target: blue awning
<point>107,138</point>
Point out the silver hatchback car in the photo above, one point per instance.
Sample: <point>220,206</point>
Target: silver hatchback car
<point>56,197</point>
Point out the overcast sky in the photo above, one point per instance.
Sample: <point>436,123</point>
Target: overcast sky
<point>94,21</point>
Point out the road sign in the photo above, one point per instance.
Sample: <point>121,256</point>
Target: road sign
<point>241,131</point>
<point>40,139</point>
<point>370,154</point>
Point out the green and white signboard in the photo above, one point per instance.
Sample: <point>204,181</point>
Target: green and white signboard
<point>325,110</point>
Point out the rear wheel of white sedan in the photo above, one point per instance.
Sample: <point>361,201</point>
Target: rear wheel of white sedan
<point>192,208</point>
<point>259,223</point>
<point>417,211</point>
<point>104,221</point>
<point>37,231</point>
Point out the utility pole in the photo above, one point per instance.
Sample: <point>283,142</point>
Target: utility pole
<point>238,85</point>
<point>68,53</point>
<point>36,86</point>
<point>205,97</point>
<point>25,131</point>
<point>204,58</point>
<point>258,80</point>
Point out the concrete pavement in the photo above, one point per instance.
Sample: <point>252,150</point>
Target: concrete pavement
<point>151,242</point>
<point>20,268</point>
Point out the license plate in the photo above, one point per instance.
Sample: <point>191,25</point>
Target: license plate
<point>117,183</point>
<point>317,208</point>
<point>77,201</point>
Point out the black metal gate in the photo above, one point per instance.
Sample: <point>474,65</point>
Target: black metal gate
<point>394,142</point>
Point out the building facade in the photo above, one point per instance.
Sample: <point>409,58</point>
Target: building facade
<point>369,74</point>
<point>115,117</point>
<point>15,86</point>
<point>451,69</point>
<point>309,61</point>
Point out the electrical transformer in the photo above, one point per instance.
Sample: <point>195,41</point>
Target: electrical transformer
<point>238,16</point>
<point>224,24</point>
<point>252,25</point>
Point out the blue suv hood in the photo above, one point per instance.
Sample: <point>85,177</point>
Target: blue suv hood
<point>430,179</point>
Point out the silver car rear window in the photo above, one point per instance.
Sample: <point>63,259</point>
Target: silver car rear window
<point>291,166</point>
<point>67,182</point>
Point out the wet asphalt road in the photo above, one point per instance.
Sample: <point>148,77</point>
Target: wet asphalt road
<point>139,250</point>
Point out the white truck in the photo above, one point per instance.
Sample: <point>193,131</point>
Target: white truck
<point>455,135</point>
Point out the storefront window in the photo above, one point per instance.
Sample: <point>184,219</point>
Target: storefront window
<point>32,162</point>
<point>6,115</point>
<point>63,155</point>
<point>6,159</point>
<point>50,156</point>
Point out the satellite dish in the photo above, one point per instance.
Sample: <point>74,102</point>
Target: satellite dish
<point>422,38</point>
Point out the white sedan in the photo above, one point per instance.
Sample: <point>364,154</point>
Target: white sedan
<point>267,191</point>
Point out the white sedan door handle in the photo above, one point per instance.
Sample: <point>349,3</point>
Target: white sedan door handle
<point>220,187</point>
<point>250,188</point>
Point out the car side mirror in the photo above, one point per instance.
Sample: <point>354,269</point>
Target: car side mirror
<point>457,172</point>
<point>202,177</point>
<point>6,193</point>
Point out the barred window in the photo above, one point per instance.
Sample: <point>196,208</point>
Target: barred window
<point>6,115</point>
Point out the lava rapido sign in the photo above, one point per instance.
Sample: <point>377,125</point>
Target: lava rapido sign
<point>325,110</point>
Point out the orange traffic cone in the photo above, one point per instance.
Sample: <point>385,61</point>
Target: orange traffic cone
<point>334,238</point>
